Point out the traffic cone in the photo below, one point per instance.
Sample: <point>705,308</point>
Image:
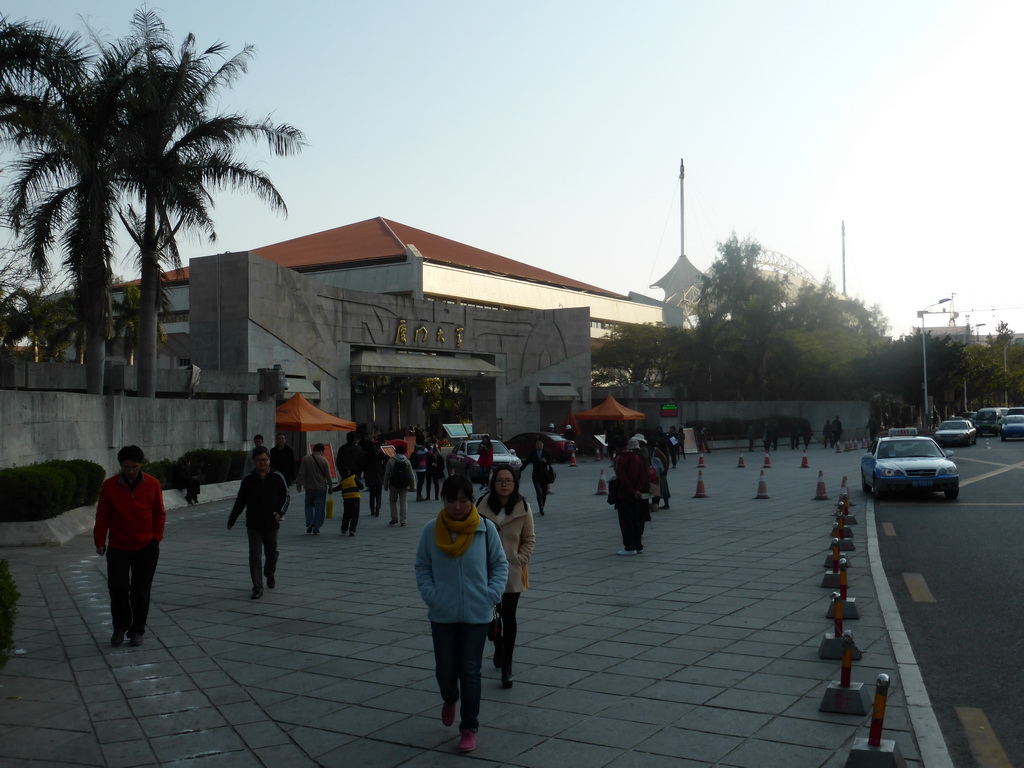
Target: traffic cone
<point>602,486</point>
<point>700,462</point>
<point>803,462</point>
<point>839,447</point>
<point>572,460</point>
<point>820,494</point>
<point>742,464</point>
<point>701,493</point>
<point>767,461</point>
<point>762,488</point>
<point>864,444</point>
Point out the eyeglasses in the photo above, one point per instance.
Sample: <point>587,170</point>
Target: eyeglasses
<point>503,480</point>
<point>262,460</point>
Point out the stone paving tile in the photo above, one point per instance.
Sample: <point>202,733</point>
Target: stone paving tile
<point>610,651</point>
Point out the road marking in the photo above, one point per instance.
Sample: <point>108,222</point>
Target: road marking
<point>918,589</point>
<point>982,739</point>
<point>993,473</point>
<point>889,528</point>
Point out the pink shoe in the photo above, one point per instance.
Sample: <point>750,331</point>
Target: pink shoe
<point>468,741</point>
<point>448,713</point>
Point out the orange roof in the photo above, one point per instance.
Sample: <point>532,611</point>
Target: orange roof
<point>382,240</point>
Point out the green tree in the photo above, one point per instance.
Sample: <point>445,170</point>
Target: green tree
<point>639,354</point>
<point>179,151</point>
<point>125,321</point>
<point>61,107</point>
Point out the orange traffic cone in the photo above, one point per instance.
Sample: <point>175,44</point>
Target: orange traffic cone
<point>803,462</point>
<point>762,488</point>
<point>602,485</point>
<point>839,447</point>
<point>820,494</point>
<point>741,463</point>
<point>701,493</point>
<point>700,462</point>
<point>767,461</point>
<point>864,444</point>
<point>572,460</point>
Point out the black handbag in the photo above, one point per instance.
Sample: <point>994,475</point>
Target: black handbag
<point>494,630</point>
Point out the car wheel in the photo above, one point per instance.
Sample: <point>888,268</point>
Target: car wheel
<point>864,486</point>
<point>952,494</point>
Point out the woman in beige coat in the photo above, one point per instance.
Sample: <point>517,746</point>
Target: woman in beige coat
<point>510,512</point>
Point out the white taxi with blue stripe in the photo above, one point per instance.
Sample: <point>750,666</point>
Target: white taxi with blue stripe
<point>905,461</point>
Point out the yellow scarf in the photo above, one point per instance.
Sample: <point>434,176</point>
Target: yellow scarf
<point>463,530</point>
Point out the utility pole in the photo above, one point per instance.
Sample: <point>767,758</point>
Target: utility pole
<point>844,256</point>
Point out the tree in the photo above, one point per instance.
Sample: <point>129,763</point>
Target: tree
<point>179,152</point>
<point>125,321</point>
<point>61,106</point>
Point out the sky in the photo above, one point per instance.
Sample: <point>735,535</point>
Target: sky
<point>551,132</point>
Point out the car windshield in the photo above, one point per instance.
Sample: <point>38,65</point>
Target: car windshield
<point>904,449</point>
<point>473,447</point>
<point>954,425</point>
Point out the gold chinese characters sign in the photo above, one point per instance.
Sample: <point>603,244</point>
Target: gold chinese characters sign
<point>421,335</point>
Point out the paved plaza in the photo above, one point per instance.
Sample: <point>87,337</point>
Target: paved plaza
<point>702,651</point>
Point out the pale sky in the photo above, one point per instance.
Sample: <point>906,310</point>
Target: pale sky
<point>551,131</point>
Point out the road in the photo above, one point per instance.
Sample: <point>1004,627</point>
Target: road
<point>967,554</point>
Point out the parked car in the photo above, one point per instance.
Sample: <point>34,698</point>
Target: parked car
<point>1016,411</point>
<point>559,447</point>
<point>988,420</point>
<point>463,458</point>
<point>903,461</point>
<point>1012,427</point>
<point>956,432</point>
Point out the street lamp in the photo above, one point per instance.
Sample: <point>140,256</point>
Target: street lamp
<point>926,414</point>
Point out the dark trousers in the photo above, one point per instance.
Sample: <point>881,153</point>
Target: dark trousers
<point>374,492</point>
<point>261,541</point>
<point>421,480</point>
<point>350,517</point>
<point>129,579</point>
<point>506,644</point>
<point>541,489</point>
<point>630,523</point>
<point>458,654</point>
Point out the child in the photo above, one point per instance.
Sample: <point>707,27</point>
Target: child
<point>350,487</point>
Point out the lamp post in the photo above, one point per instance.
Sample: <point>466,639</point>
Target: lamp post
<point>926,414</point>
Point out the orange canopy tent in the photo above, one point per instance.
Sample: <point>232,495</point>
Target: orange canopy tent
<point>297,414</point>
<point>611,410</point>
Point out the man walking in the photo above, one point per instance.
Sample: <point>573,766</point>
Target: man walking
<point>248,466</point>
<point>131,514</point>
<point>282,458</point>
<point>315,476</point>
<point>264,496</point>
<point>631,483</point>
<point>398,479</point>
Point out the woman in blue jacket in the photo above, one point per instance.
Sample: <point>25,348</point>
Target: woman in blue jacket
<point>461,572</point>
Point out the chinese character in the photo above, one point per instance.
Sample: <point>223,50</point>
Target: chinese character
<point>416,334</point>
<point>400,337</point>
<point>440,335</point>
<point>458,337</point>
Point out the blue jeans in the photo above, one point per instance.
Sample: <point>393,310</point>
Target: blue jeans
<point>458,653</point>
<point>316,503</point>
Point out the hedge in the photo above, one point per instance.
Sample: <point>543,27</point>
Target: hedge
<point>8,610</point>
<point>42,491</point>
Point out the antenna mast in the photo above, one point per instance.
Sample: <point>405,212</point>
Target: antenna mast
<point>844,257</point>
<point>682,210</point>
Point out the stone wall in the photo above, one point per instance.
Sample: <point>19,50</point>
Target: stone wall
<point>38,426</point>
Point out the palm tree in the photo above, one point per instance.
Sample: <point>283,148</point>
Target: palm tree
<point>61,105</point>
<point>179,153</point>
<point>125,320</point>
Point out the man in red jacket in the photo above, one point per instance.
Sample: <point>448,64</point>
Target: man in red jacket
<point>131,513</point>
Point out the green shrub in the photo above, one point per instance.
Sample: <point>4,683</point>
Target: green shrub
<point>162,470</point>
<point>216,466</point>
<point>42,491</point>
<point>8,610</point>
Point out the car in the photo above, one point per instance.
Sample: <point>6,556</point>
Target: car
<point>560,448</point>
<point>463,458</point>
<point>988,420</point>
<point>1012,428</point>
<point>969,415</point>
<point>1016,411</point>
<point>956,432</point>
<point>905,461</point>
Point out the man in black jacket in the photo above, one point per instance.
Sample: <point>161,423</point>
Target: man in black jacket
<point>264,496</point>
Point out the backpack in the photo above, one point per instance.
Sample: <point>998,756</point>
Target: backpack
<point>400,478</point>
